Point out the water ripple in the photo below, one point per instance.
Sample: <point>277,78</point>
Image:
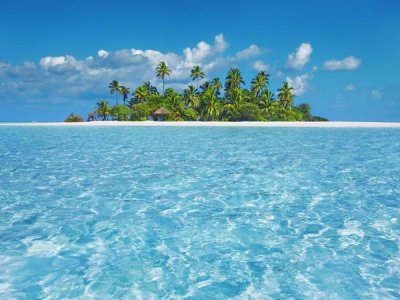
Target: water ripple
<point>196,213</point>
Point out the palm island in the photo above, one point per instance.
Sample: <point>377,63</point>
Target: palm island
<point>210,101</point>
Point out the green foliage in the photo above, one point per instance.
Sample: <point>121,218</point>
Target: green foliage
<point>305,110</point>
<point>216,85</point>
<point>286,96</point>
<point>318,119</point>
<point>162,71</point>
<point>277,112</point>
<point>244,112</point>
<point>210,107</point>
<point>125,92</point>
<point>190,97</point>
<point>115,89</point>
<point>205,103</point>
<point>103,109</point>
<point>259,83</point>
<point>189,114</point>
<point>293,115</point>
<point>196,74</point>
<point>142,111</point>
<point>120,112</point>
<point>74,118</point>
<point>233,80</point>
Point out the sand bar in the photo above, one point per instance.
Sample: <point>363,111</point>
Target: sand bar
<point>216,124</point>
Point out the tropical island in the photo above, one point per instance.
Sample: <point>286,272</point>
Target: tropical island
<point>210,101</point>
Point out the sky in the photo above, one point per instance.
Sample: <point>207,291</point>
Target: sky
<point>58,57</point>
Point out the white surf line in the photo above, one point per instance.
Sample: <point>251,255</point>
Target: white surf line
<point>329,124</point>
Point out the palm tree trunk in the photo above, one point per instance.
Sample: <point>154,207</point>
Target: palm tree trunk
<point>163,87</point>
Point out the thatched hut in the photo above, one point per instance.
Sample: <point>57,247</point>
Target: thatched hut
<point>160,114</point>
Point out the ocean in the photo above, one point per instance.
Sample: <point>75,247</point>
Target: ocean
<point>199,213</point>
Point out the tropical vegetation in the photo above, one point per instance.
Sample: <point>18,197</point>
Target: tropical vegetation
<point>209,100</point>
<point>74,118</point>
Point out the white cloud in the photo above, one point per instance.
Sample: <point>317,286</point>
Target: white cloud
<point>152,56</point>
<point>102,53</point>
<point>348,63</point>
<point>298,59</point>
<point>299,84</point>
<point>29,65</point>
<point>260,66</point>
<point>220,43</point>
<point>350,87</point>
<point>198,53</point>
<point>376,94</point>
<point>60,64</point>
<point>52,61</point>
<point>250,51</point>
<point>202,51</point>
<point>66,77</point>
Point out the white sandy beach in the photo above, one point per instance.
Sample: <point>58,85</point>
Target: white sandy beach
<point>216,124</point>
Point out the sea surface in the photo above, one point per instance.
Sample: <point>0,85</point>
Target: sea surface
<point>199,213</point>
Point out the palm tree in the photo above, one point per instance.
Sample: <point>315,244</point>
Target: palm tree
<point>259,83</point>
<point>233,79</point>
<point>211,110</point>
<point>266,100</point>
<point>216,85</point>
<point>162,70</point>
<point>103,109</point>
<point>191,97</point>
<point>174,101</point>
<point>141,93</point>
<point>196,74</point>
<point>150,88</point>
<point>115,89</point>
<point>91,117</point>
<point>286,96</point>
<point>205,85</point>
<point>236,100</point>
<point>125,91</point>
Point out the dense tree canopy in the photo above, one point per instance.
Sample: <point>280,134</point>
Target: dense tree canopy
<point>206,102</point>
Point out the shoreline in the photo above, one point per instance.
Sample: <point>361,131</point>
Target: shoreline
<point>329,124</point>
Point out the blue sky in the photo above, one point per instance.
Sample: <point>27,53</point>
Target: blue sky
<point>57,57</point>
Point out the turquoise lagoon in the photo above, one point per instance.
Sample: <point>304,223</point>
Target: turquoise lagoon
<point>199,213</point>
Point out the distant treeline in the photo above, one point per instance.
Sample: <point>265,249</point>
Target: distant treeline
<point>210,101</point>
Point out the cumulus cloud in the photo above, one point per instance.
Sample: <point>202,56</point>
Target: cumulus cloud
<point>299,84</point>
<point>66,77</point>
<point>348,63</point>
<point>202,51</point>
<point>61,64</point>
<point>220,43</point>
<point>102,53</point>
<point>300,57</point>
<point>197,54</point>
<point>350,87</point>
<point>52,61</point>
<point>250,51</point>
<point>259,65</point>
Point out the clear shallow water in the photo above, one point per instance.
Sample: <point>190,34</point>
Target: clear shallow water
<point>199,213</point>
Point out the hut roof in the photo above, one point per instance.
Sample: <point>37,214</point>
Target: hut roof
<point>161,112</point>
